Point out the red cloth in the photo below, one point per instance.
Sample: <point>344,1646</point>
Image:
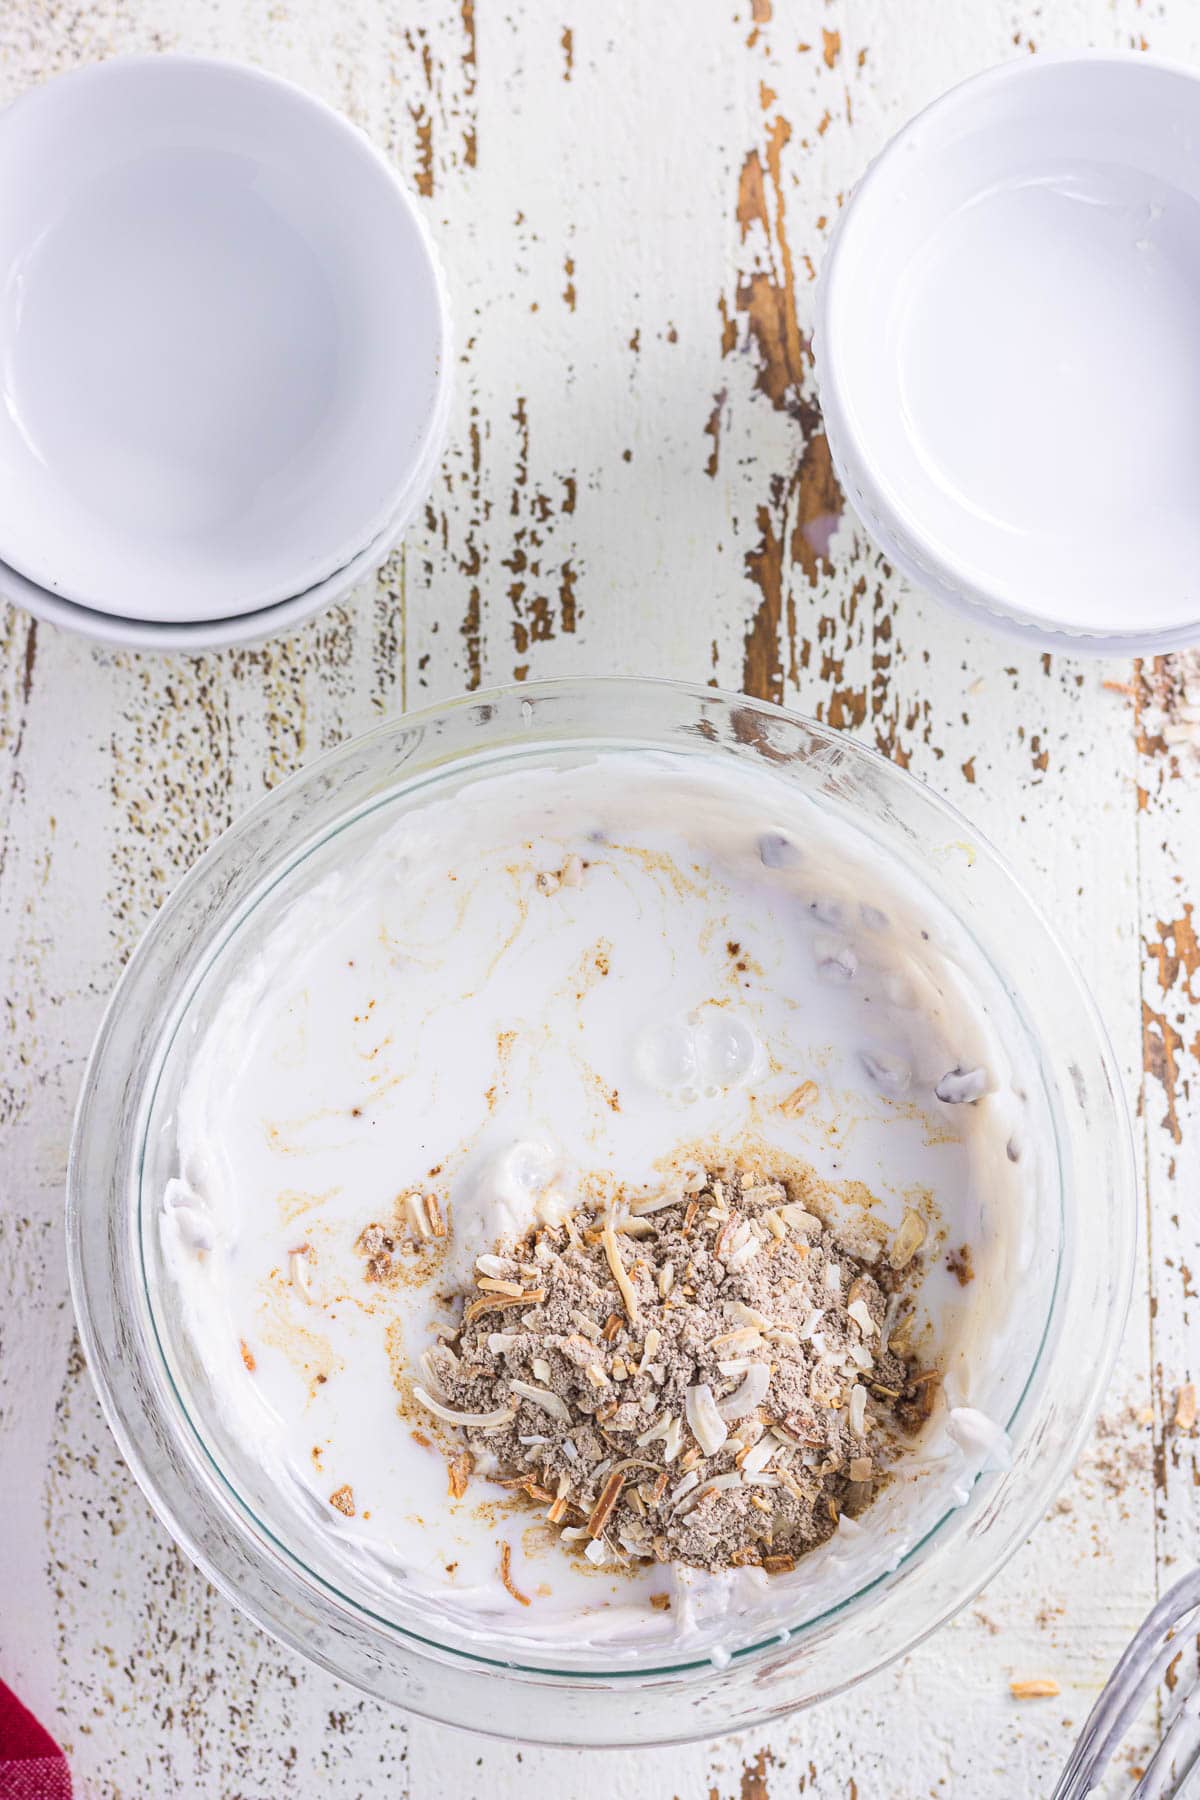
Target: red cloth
<point>32,1767</point>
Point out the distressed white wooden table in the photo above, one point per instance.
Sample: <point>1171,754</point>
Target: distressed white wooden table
<point>630,200</point>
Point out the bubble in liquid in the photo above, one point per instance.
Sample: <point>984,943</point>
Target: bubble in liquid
<point>776,851</point>
<point>891,1074</point>
<point>962,1087</point>
<point>837,961</point>
<point>666,1055</point>
<point>697,1055</point>
<point>525,1168</point>
<point>725,1049</point>
<point>830,911</point>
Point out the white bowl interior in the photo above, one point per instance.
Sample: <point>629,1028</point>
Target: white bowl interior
<point>1013,333</point>
<point>224,339</point>
<point>238,627</point>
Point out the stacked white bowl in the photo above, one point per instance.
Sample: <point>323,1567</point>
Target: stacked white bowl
<point>225,354</point>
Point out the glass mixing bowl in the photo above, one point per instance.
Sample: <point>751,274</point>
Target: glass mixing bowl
<point>209,1501</point>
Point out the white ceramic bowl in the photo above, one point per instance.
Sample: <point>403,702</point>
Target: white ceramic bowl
<point>224,340</point>
<point>1008,350</point>
<point>239,628</point>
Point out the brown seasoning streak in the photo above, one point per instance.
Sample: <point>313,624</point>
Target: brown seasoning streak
<point>506,1575</point>
<point>459,1474</point>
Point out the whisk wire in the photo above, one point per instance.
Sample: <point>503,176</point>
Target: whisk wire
<point>1140,1668</point>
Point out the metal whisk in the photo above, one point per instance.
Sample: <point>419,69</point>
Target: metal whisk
<point>1174,1769</point>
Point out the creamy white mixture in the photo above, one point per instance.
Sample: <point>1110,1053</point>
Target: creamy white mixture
<point>438,1010</point>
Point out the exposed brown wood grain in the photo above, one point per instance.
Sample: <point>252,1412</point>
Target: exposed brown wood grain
<point>802,503</point>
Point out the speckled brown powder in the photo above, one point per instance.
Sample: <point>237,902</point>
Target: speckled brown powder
<point>630,1423</point>
<point>960,1265</point>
